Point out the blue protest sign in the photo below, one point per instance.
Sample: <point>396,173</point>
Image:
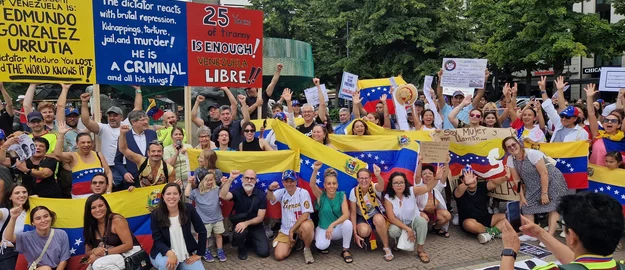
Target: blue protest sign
<point>140,42</point>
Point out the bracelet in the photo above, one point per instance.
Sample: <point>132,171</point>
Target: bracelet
<point>543,92</point>
<point>139,91</point>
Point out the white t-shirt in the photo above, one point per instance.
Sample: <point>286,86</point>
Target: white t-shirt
<point>109,137</point>
<point>370,209</point>
<point>535,134</point>
<point>408,209</point>
<point>19,225</point>
<point>533,155</point>
<point>178,244</point>
<point>292,207</point>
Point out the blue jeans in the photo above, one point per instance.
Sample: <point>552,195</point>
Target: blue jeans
<point>160,263</point>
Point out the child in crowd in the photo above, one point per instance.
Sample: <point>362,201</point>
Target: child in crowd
<point>614,160</point>
<point>208,163</point>
<point>206,198</point>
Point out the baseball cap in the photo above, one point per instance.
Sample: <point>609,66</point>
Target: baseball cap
<point>115,109</point>
<point>600,101</point>
<point>296,103</point>
<point>2,135</point>
<point>458,93</point>
<point>280,116</point>
<point>20,97</point>
<point>69,111</point>
<point>419,103</point>
<point>289,174</point>
<point>34,116</point>
<point>570,111</point>
<point>213,105</point>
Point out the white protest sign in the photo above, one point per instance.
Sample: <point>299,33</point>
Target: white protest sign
<point>566,88</point>
<point>612,79</point>
<point>24,148</point>
<point>460,72</point>
<point>348,86</point>
<point>449,91</point>
<point>312,95</point>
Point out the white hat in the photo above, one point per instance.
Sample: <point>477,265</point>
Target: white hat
<point>20,97</point>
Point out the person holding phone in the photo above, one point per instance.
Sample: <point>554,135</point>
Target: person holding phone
<point>543,183</point>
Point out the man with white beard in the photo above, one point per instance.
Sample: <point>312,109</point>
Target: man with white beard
<point>250,205</point>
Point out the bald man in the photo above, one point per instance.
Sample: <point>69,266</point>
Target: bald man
<point>170,120</point>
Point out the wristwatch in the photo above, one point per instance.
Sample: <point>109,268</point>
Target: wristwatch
<point>508,252</point>
<point>543,92</point>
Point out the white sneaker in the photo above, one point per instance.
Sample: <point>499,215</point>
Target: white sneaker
<point>562,234</point>
<point>542,245</point>
<point>484,238</point>
<point>455,220</point>
<point>526,238</point>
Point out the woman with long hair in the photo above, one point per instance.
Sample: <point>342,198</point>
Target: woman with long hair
<point>427,120</point>
<point>108,239</point>
<point>320,135</point>
<point>490,119</point>
<point>250,142</point>
<point>15,195</point>
<point>475,115</point>
<point>175,155</point>
<point>174,245</point>
<point>526,126</point>
<point>360,128</point>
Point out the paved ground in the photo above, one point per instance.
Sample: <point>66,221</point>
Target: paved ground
<point>460,251</point>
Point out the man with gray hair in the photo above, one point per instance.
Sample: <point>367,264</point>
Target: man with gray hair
<point>137,143</point>
<point>345,119</point>
<point>204,136</point>
<point>308,113</point>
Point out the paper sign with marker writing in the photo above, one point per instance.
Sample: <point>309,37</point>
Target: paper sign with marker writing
<point>140,44</point>
<point>225,46</point>
<point>612,79</point>
<point>349,86</point>
<point>460,72</point>
<point>312,95</point>
<point>434,152</point>
<point>472,135</point>
<point>46,41</point>
<point>449,91</point>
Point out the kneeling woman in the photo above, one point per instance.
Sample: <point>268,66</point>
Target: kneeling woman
<point>45,248</point>
<point>432,204</point>
<point>334,223</point>
<point>107,235</point>
<point>174,245</point>
<point>400,203</point>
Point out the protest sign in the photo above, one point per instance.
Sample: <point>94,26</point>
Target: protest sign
<point>312,95</point>
<point>47,41</point>
<point>449,91</point>
<point>520,265</point>
<point>434,152</point>
<point>225,46</point>
<point>459,72</point>
<point>348,86</point>
<point>534,251</point>
<point>508,191</point>
<point>140,44</point>
<point>472,135</point>
<point>24,148</point>
<point>612,79</point>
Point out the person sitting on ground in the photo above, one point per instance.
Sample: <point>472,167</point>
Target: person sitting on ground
<point>296,209</point>
<point>334,223</point>
<point>590,241</point>
<point>472,200</point>
<point>432,204</point>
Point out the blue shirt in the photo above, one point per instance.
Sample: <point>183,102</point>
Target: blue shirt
<point>462,116</point>
<point>340,128</point>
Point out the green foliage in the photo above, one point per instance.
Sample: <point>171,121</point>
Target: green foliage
<point>334,115</point>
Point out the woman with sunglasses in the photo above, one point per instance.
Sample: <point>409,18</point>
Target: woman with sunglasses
<point>250,142</point>
<point>543,183</point>
<point>611,138</point>
<point>475,115</point>
<point>223,140</point>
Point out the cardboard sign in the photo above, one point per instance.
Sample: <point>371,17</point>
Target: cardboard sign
<point>472,135</point>
<point>47,41</point>
<point>141,44</point>
<point>349,86</point>
<point>312,95</point>
<point>508,191</point>
<point>459,72</point>
<point>434,152</point>
<point>225,46</point>
<point>612,79</point>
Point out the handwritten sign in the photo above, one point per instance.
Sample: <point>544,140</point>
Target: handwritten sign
<point>141,43</point>
<point>508,191</point>
<point>349,86</point>
<point>612,79</point>
<point>46,41</point>
<point>459,72</point>
<point>312,95</point>
<point>472,135</point>
<point>225,46</point>
<point>434,152</point>
<point>449,91</point>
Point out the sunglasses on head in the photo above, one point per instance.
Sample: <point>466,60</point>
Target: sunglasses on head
<point>476,115</point>
<point>613,121</point>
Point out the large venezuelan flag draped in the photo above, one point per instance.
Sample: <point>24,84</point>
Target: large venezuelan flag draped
<point>134,206</point>
<point>485,158</point>
<point>371,90</point>
<point>311,151</point>
<point>416,135</point>
<point>571,159</point>
<point>259,123</point>
<point>390,153</point>
<point>603,180</point>
<point>267,165</point>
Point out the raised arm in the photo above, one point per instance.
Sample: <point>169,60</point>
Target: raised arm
<point>356,106</point>
<point>387,116</point>
<point>480,92</point>
<point>9,101</point>
<point>61,103</point>
<point>123,146</point>
<point>454,113</point>
<point>287,95</point>
<point>379,187</point>
<point>91,125</point>
<point>560,84</point>
<point>233,101</point>
<point>416,118</point>
<point>468,179</point>
<point>439,90</point>
<point>539,114</point>
<point>510,107</point>
<point>592,118</point>
<point>194,112</point>
<point>274,80</point>
<point>28,99</point>
<point>493,184</point>
<point>244,110</point>
<point>542,85</point>
<point>9,231</point>
<point>313,180</point>
<point>322,101</point>
<point>138,98</point>
<point>66,157</point>
<point>224,192</point>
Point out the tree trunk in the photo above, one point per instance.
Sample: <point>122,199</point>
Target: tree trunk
<point>528,82</point>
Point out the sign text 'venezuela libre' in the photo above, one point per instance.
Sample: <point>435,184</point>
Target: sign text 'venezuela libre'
<point>46,41</point>
<point>224,46</point>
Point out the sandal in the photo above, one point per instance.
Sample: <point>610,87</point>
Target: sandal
<point>423,256</point>
<point>324,251</point>
<point>440,232</point>
<point>389,255</point>
<point>347,258</point>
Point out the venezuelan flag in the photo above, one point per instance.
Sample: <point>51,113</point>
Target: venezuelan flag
<point>417,135</point>
<point>259,123</point>
<point>485,158</point>
<point>310,151</point>
<point>601,179</point>
<point>134,206</point>
<point>571,158</point>
<point>153,110</point>
<point>371,90</point>
<point>267,165</point>
<point>390,153</point>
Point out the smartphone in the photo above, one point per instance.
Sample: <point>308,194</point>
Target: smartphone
<point>532,98</point>
<point>513,214</point>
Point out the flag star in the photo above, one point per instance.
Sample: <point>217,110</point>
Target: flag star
<point>376,158</point>
<point>601,189</point>
<point>382,162</point>
<point>470,157</point>
<point>362,155</point>
<point>318,173</point>
<point>568,165</point>
<point>78,241</point>
<point>623,196</point>
<point>609,187</point>
<point>616,192</point>
<point>307,161</point>
<point>318,181</point>
<point>262,184</point>
<point>368,94</point>
<point>386,168</point>
<point>483,160</point>
<point>571,169</point>
<point>369,155</point>
<point>598,191</point>
<point>312,166</point>
<point>557,160</point>
<point>72,251</point>
<point>236,181</point>
<point>266,190</point>
<point>300,161</point>
<point>563,162</point>
<point>373,91</point>
<point>379,88</point>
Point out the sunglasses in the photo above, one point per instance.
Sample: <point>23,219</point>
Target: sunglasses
<point>613,121</point>
<point>475,115</point>
<point>249,131</point>
<point>566,116</point>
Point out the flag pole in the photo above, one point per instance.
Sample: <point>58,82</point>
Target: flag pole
<point>97,114</point>
<point>187,113</point>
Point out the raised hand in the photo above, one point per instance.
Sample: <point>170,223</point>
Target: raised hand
<point>124,129</point>
<point>62,128</point>
<point>274,185</point>
<point>560,84</point>
<point>287,94</point>
<point>467,100</point>
<point>84,97</point>
<point>16,211</point>
<point>66,85</point>
<point>279,67</point>
<point>590,90</point>
<point>356,97</point>
<point>440,74</point>
<point>200,99</point>
<point>542,84</point>
<point>241,99</point>
<point>376,169</point>
<point>235,174</point>
<point>469,178</point>
<point>317,165</point>
<point>136,87</point>
<point>316,81</point>
<point>514,89</point>
<point>383,97</point>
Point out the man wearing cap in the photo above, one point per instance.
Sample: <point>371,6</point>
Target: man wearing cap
<point>234,126</point>
<point>213,114</point>
<point>6,112</point>
<point>252,96</point>
<point>296,209</point>
<point>70,116</point>
<point>565,122</point>
<point>456,99</point>
<point>36,124</point>
<point>297,108</point>
<point>250,205</point>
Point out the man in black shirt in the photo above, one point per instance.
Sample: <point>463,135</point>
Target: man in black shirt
<point>6,111</point>
<point>308,113</point>
<point>472,200</point>
<point>234,126</point>
<point>252,96</point>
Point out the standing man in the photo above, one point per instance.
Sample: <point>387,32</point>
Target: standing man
<point>70,117</point>
<point>137,143</point>
<point>153,170</point>
<point>36,124</point>
<point>566,122</point>
<point>6,111</point>
<point>213,111</point>
<point>252,96</point>
<point>456,99</point>
<point>234,126</point>
<point>308,113</point>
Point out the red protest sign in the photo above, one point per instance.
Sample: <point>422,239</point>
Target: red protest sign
<point>225,46</point>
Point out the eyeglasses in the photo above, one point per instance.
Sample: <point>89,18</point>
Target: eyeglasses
<point>613,121</point>
<point>566,116</point>
<point>398,183</point>
<point>511,146</point>
<point>249,131</point>
<point>475,115</point>
<point>307,111</point>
